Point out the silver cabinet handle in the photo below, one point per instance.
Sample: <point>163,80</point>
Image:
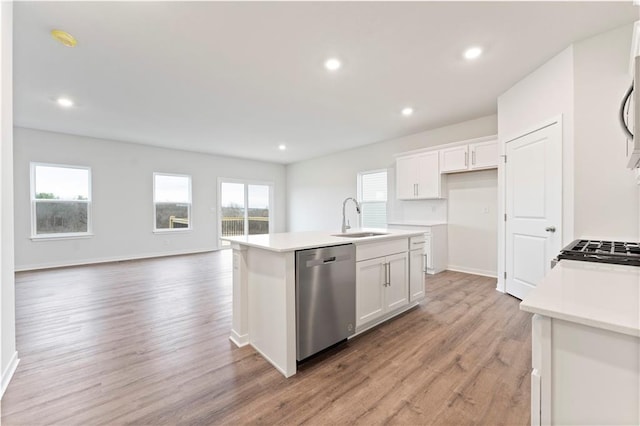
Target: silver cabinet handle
<point>466,159</point>
<point>473,157</point>
<point>389,274</point>
<point>385,274</point>
<point>550,229</point>
<point>425,264</point>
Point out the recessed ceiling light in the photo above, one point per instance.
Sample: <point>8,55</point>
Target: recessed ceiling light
<point>282,147</point>
<point>472,53</point>
<point>64,38</point>
<point>332,64</point>
<point>65,102</point>
<point>407,111</point>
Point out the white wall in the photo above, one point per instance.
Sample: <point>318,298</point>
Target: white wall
<point>585,84</point>
<point>8,354</point>
<point>317,187</point>
<point>472,224</point>
<point>122,207</point>
<point>542,95</point>
<point>606,194</point>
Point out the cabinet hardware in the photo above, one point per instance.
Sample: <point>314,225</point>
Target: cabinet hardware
<point>386,265</point>
<point>466,159</point>
<point>550,229</point>
<point>389,274</point>
<point>473,158</point>
<point>425,264</point>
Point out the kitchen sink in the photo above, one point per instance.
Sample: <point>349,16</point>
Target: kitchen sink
<point>360,234</point>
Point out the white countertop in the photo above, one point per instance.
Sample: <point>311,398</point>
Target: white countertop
<point>418,223</point>
<point>595,294</point>
<point>291,241</point>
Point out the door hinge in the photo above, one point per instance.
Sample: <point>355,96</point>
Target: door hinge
<point>505,217</point>
<point>505,158</point>
<point>505,275</point>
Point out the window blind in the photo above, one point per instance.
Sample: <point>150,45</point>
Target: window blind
<point>373,199</point>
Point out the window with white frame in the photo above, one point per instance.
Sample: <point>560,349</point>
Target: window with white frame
<point>372,195</point>
<point>172,202</point>
<point>60,200</point>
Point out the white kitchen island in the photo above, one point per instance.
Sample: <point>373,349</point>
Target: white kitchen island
<point>586,345</point>
<point>264,302</point>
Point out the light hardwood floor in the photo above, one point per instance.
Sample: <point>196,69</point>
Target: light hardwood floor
<point>146,342</point>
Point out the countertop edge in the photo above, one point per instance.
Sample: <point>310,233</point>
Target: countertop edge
<point>341,241</point>
<point>618,328</point>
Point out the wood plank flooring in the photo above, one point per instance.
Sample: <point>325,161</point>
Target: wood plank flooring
<point>146,342</point>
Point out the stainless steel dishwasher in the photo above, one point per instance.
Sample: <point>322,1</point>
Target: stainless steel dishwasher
<point>325,297</point>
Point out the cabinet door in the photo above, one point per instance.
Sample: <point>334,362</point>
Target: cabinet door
<point>484,155</point>
<point>428,165</point>
<point>454,159</point>
<point>416,274</point>
<point>397,291</point>
<point>370,289</point>
<point>428,254</point>
<point>406,178</point>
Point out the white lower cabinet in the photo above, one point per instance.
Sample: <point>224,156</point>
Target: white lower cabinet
<point>583,375</point>
<point>382,286</point>
<point>417,268</point>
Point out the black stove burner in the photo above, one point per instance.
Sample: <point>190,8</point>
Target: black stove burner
<point>621,253</point>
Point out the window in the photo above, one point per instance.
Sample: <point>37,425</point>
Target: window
<point>372,194</point>
<point>172,202</point>
<point>245,208</point>
<point>60,200</point>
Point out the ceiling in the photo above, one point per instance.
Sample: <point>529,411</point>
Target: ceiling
<point>238,79</point>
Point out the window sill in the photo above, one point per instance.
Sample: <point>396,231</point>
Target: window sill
<point>53,237</point>
<point>172,231</point>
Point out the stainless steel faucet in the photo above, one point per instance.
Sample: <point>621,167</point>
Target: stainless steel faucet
<point>345,225</point>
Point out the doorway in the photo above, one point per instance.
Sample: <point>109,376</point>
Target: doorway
<point>245,208</point>
<point>533,205</point>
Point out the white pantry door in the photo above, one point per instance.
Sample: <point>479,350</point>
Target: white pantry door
<point>533,206</point>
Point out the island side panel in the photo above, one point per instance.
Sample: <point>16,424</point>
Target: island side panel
<point>272,315</point>
<point>240,318</point>
<point>595,375</point>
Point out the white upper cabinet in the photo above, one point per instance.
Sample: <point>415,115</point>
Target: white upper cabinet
<point>418,177</point>
<point>484,155</point>
<point>454,159</point>
<point>406,178</point>
<point>474,156</point>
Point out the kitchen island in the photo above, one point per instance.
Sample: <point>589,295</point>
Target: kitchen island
<point>586,345</point>
<point>264,283</point>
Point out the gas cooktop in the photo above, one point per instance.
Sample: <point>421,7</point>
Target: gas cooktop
<point>621,253</point>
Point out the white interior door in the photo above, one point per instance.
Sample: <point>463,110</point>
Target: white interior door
<point>533,206</point>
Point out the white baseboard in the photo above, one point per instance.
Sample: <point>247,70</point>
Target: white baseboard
<point>50,265</point>
<point>490,274</point>
<point>238,339</point>
<point>7,374</point>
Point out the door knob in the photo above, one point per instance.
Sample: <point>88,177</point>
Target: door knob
<point>550,229</point>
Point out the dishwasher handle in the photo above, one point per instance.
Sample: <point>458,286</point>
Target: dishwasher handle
<point>327,260</point>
